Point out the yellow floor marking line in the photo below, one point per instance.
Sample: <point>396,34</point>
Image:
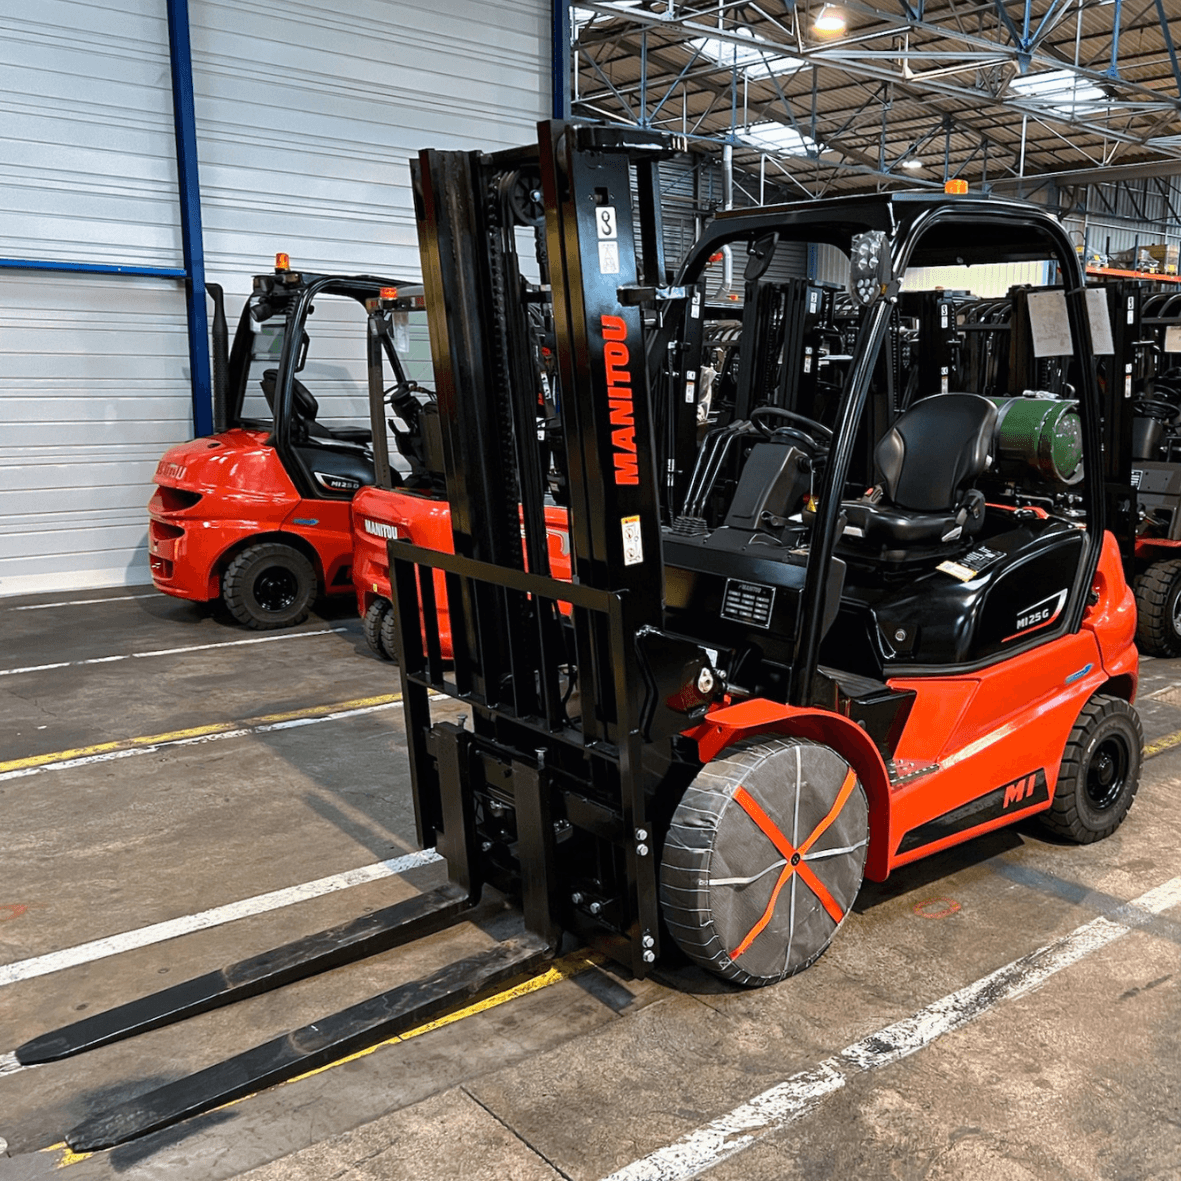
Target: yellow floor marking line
<point>561,969</point>
<point>120,744</point>
<point>1158,746</point>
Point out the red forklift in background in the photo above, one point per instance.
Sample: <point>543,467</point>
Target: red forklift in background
<point>412,504</point>
<point>257,514</point>
<point>837,632</point>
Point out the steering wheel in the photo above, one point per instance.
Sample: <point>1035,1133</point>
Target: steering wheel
<point>817,436</point>
<point>1156,408</point>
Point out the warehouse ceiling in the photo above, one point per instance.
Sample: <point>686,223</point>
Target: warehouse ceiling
<point>909,92</point>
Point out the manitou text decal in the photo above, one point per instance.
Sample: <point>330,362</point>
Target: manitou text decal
<point>170,471</point>
<point>381,529</point>
<point>619,390</point>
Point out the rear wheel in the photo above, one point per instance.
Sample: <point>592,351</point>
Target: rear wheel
<point>373,622</point>
<point>1158,609</point>
<point>764,856</point>
<point>1100,772</point>
<point>269,585</point>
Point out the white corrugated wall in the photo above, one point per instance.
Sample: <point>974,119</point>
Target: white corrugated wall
<point>306,118</point>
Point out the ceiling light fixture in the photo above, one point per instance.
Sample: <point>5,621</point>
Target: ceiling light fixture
<point>912,163</point>
<point>830,20</point>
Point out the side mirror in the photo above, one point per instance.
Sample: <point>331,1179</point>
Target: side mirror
<point>759,256</point>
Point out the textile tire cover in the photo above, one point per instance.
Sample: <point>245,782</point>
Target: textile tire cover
<point>763,859</point>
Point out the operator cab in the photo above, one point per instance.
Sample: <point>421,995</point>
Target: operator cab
<point>297,369</point>
<point>939,399</point>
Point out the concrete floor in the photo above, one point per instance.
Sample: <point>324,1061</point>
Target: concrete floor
<point>1078,1078</point>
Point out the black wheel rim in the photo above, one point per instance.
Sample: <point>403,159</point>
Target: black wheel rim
<point>1107,772</point>
<point>275,589</point>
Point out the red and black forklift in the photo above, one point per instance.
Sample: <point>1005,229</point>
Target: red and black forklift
<point>1147,330</point>
<point>829,633</point>
<point>258,514</point>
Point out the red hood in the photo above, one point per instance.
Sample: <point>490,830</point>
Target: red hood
<point>234,460</point>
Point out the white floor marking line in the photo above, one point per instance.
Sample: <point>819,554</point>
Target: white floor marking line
<point>79,603</point>
<point>98,949</point>
<point>263,728</point>
<point>783,1104</point>
<point>38,668</point>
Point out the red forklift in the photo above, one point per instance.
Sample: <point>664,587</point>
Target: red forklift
<point>411,504</point>
<point>257,514</point>
<point>834,634</point>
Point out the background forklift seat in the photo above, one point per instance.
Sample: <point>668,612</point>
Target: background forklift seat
<point>306,409</point>
<point>926,462</point>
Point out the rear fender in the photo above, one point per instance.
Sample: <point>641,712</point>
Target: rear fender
<point>1112,620</point>
<point>758,716</point>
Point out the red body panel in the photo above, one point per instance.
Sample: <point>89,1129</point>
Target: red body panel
<point>243,493</point>
<point>379,515</point>
<point>991,733</point>
<point>979,732</point>
<point>1155,549</point>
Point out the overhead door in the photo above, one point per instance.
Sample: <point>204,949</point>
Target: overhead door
<point>306,118</point>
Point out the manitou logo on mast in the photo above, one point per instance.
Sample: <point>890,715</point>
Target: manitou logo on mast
<point>619,391</point>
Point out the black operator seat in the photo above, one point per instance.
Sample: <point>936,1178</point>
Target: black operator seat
<point>306,409</point>
<point>927,462</point>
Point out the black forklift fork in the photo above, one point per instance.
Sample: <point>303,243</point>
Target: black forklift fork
<point>314,1045</point>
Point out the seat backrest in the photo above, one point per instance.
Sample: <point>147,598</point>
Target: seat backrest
<point>306,405</point>
<point>936,447</point>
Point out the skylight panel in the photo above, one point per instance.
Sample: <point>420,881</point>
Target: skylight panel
<point>779,137</point>
<point>1060,91</point>
<point>753,61</point>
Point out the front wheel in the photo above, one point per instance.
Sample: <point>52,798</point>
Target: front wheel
<point>763,859</point>
<point>373,624</point>
<point>1158,609</point>
<point>269,585</point>
<point>1099,774</point>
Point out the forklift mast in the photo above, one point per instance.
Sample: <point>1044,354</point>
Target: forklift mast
<point>565,745</point>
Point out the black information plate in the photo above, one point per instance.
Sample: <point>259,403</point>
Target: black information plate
<point>748,602</point>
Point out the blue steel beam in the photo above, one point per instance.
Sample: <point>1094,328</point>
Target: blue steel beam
<point>560,59</point>
<point>189,193</point>
<point>90,268</point>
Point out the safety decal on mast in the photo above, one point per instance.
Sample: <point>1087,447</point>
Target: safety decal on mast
<point>605,224</point>
<point>633,545</point>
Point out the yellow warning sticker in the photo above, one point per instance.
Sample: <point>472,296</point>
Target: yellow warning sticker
<point>958,570</point>
<point>633,546</point>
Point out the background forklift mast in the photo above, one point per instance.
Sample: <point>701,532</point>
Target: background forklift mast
<point>258,513</point>
<point>719,725</point>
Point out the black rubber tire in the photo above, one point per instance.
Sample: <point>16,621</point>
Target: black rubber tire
<point>386,635</point>
<point>269,585</point>
<point>1158,609</point>
<point>722,902</point>
<point>372,623</point>
<point>1100,772</point>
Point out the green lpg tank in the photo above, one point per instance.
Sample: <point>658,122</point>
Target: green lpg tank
<point>1041,432</point>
